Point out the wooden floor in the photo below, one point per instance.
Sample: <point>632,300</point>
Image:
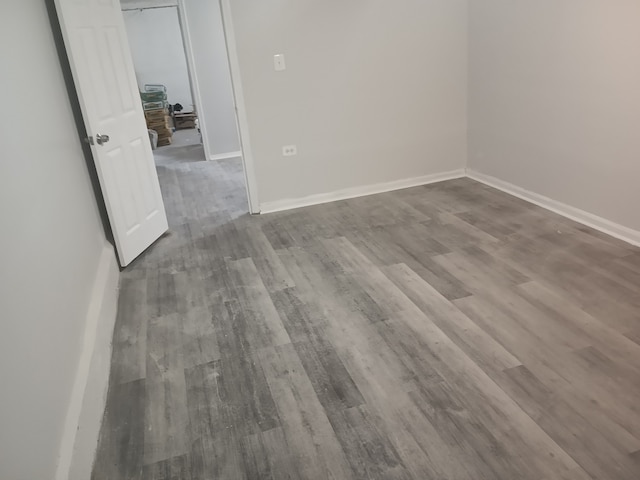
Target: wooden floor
<point>440,332</point>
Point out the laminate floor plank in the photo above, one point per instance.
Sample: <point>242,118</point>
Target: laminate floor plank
<point>166,417</point>
<point>130,332</point>
<point>268,455</point>
<point>306,426</point>
<point>478,344</point>
<point>122,443</point>
<point>171,469</point>
<point>442,332</point>
<point>214,442</point>
<point>556,368</point>
<point>386,253</point>
<point>488,404</point>
<point>595,452</point>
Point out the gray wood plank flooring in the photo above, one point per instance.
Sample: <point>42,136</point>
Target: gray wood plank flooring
<point>442,332</point>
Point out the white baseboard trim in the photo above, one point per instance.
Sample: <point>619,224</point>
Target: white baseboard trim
<point>606,226</point>
<point>226,156</point>
<point>354,192</point>
<point>89,394</point>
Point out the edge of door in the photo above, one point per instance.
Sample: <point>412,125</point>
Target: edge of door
<point>238,96</point>
<point>241,112</point>
<point>193,78</point>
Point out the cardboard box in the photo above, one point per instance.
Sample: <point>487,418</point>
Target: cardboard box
<point>164,141</point>
<point>184,120</point>
<point>156,114</point>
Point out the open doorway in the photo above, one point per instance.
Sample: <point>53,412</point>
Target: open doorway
<point>182,70</point>
<point>162,73</point>
<point>108,92</point>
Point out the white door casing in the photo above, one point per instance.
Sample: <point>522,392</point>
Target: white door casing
<point>102,67</point>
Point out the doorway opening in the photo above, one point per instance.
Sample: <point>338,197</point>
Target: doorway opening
<point>162,73</point>
<point>108,92</point>
<point>182,69</point>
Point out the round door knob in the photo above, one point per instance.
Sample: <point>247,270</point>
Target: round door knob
<point>102,139</point>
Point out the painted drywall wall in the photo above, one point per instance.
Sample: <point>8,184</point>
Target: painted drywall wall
<point>554,102</point>
<point>374,91</point>
<point>51,243</point>
<point>158,53</point>
<point>210,68</point>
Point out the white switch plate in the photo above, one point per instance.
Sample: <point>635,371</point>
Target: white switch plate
<point>289,150</point>
<point>278,62</point>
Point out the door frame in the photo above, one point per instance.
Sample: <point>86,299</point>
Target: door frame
<point>241,109</point>
<point>191,68</point>
<point>242,122</point>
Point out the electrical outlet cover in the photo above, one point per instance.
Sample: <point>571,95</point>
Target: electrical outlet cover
<point>289,150</point>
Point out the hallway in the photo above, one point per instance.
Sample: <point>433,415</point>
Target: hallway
<point>446,331</point>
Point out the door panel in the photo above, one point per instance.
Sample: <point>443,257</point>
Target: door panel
<point>105,80</point>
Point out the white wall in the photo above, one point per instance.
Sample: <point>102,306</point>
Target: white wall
<point>51,244</point>
<point>375,91</point>
<point>212,77</point>
<point>554,100</point>
<point>156,44</point>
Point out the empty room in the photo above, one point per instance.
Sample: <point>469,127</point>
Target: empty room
<point>422,263</point>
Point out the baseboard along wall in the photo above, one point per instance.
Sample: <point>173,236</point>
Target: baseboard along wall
<point>602,224</point>
<point>354,192</point>
<point>89,394</point>
<point>226,156</point>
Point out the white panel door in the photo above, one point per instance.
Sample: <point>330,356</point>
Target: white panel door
<point>104,75</point>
